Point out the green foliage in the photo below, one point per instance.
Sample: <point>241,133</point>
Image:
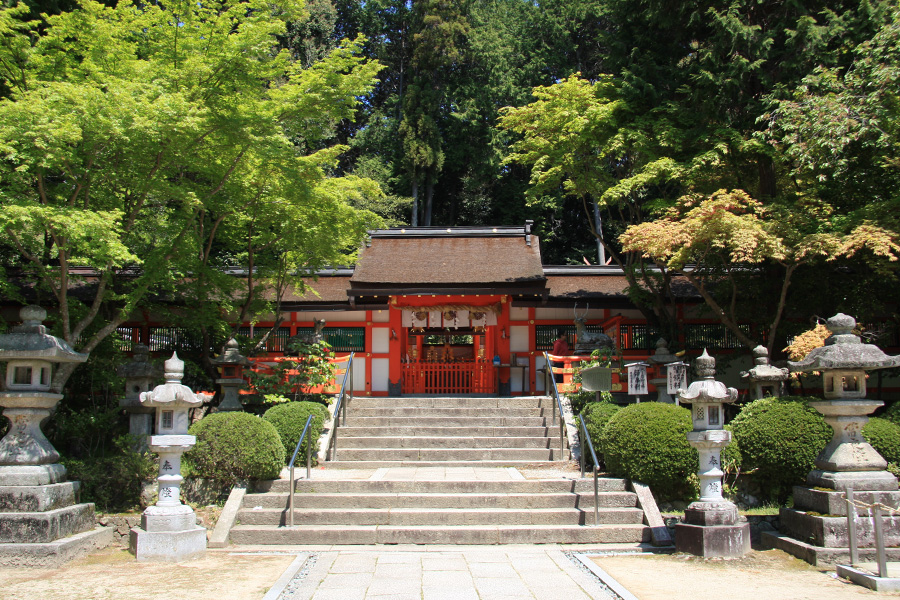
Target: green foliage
<point>779,439</point>
<point>893,413</point>
<point>884,436</point>
<point>646,442</point>
<point>294,377</point>
<point>596,415</point>
<point>289,420</point>
<point>113,481</point>
<point>233,446</point>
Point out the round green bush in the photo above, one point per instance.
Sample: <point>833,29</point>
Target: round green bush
<point>289,420</point>
<point>779,439</point>
<point>884,437</point>
<point>646,442</point>
<point>233,446</point>
<point>596,415</point>
<point>893,413</point>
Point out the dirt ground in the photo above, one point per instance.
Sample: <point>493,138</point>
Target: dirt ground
<point>761,575</point>
<point>114,574</point>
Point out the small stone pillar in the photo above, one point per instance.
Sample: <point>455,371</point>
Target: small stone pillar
<point>712,527</point>
<point>815,529</point>
<point>662,357</point>
<point>169,530</point>
<point>764,379</point>
<point>139,376</point>
<point>231,368</point>
<point>41,521</point>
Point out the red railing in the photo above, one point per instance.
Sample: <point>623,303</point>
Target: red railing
<point>467,377</point>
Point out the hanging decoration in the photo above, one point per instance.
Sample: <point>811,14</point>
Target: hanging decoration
<point>637,379</point>
<point>676,377</point>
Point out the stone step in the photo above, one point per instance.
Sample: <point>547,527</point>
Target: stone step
<point>446,454</point>
<point>450,402</point>
<point>446,412</point>
<point>448,517</point>
<point>442,486</point>
<point>467,534</point>
<point>497,421</point>
<point>398,441</point>
<point>491,464</point>
<point>478,431</point>
<point>584,500</point>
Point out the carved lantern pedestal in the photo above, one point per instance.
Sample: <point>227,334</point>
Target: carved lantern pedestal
<point>816,528</point>
<point>139,376</point>
<point>662,357</point>
<point>712,526</point>
<point>169,530</point>
<point>42,522</point>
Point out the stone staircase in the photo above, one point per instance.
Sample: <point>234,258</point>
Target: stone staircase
<point>432,432</point>
<point>438,471</point>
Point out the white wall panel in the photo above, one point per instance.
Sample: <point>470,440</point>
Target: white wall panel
<point>380,372</point>
<point>381,340</point>
<point>518,338</point>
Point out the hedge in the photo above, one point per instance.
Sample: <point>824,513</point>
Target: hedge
<point>289,420</point>
<point>234,446</point>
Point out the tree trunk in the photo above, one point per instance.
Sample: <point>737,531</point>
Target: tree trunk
<point>429,195</point>
<point>768,186</point>
<point>415,206</point>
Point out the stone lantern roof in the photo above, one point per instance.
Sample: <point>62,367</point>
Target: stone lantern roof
<point>172,393</point>
<point>30,340</point>
<point>662,355</point>
<point>231,356</point>
<point>706,388</point>
<point>140,365</point>
<point>762,370</point>
<point>844,350</point>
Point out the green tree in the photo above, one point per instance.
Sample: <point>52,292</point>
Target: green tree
<point>134,135</point>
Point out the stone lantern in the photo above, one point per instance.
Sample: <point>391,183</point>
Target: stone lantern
<point>169,530</point>
<point>662,357</point>
<point>139,376</point>
<point>764,379</point>
<point>815,529</point>
<point>41,521</point>
<point>231,368</point>
<point>711,525</point>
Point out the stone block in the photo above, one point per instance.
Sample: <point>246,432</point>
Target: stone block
<point>31,475</point>
<point>857,480</point>
<point>711,513</point>
<point>831,532</point>
<point>167,546</point>
<point>55,553</point>
<point>721,541</point>
<point>41,527</point>
<point>833,503</point>
<point>168,518</point>
<point>38,498</point>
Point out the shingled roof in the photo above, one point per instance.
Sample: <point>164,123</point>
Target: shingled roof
<point>450,260</point>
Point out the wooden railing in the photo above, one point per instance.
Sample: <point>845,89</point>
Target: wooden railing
<point>465,377</point>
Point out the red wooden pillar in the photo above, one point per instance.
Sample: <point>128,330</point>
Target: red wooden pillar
<point>397,348</point>
<point>503,339</point>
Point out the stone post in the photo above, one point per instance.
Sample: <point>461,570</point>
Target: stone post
<point>41,521</point>
<point>712,527</point>
<point>169,530</point>
<point>764,379</point>
<point>139,376</point>
<point>231,366</point>
<point>662,357</point>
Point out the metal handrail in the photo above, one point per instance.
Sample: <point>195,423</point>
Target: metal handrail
<point>583,435</point>
<point>340,409</point>
<point>294,458</point>
<point>550,385</point>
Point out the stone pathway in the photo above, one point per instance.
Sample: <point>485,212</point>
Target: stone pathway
<point>445,573</point>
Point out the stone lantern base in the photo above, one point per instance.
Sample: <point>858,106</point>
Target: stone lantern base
<point>42,522</point>
<point>168,534</point>
<point>713,530</point>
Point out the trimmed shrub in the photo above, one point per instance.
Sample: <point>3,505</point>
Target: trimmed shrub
<point>596,415</point>
<point>289,420</point>
<point>647,442</point>
<point>884,437</point>
<point>892,413</point>
<point>779,438</point>
<point>233,446</point>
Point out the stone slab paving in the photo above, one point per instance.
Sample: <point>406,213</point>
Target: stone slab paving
<point>446,572</point>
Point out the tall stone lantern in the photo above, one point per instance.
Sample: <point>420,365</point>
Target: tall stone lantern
<point>139,376</point>
<point>169,530</point>
<point>764,379</point>
<point>41,521</point>
<point>815,528</point>
<point>231,368</point>
<point>711,526</point>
